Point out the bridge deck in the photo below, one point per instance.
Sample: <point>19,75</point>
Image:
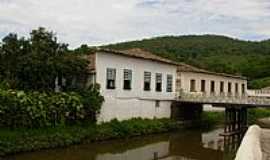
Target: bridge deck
<point>224,101</point>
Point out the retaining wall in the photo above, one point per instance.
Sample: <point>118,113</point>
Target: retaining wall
<point>250,148</point>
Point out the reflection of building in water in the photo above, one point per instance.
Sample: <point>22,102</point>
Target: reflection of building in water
<point>148,152</point>
<point>191,146</point>
<point>216,143</point>
<point>231,144</point>
<point>177,158</point>
<point>186,146</point>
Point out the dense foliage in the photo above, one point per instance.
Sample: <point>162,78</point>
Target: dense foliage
<point>260,83</point>
<point>21,140</point>
<point>257,113</point>
<point>216,53</point>
<point>30,68</point>
<point>35,63</point>
<point>20,109</point>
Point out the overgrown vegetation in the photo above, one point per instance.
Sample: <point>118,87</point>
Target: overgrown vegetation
<point>257,113</point>
<point>36,63</point>
<point>216,53</point>
<point>207,121</point>
<point>212,119</point>
<point>41,109</point>
<point>32,70</point>
<point>260,83</point>
<point>22,140</point>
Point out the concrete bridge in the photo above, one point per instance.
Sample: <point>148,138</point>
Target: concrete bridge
<point>235,106</point>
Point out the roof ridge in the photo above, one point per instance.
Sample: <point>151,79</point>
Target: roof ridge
<point>142,53</point>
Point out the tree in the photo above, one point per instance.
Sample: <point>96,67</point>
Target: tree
<point>11,50</point>
<point>35,63</point>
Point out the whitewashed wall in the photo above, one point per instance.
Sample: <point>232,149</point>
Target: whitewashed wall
<point>125,104</point>
<point>187,76</point>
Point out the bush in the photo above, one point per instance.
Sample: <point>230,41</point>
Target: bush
<point>40,109</point>
<point>257,113</point>
<point>135,127</point>
<point>207,121</point>
<point>91,100</point>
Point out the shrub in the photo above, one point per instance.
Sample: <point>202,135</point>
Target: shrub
<point>40,109</point>
<point>91,100</point>
<point>207,121</point>
<point>257,113</point>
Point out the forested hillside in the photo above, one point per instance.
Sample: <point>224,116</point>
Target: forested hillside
<point>216,53</point>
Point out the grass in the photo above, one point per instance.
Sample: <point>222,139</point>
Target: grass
<point>23,140</point>
<point>257,113</point>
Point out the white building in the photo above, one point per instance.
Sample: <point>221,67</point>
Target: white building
<point>259,93</point>
<point>198,81</point>
<point>202,83</point>
<point>134,83</point>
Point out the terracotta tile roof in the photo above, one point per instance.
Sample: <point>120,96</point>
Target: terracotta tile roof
<point>139,53</point>
<point>182,67</point>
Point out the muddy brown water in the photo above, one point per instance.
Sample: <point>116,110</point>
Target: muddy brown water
<point>182,145</point>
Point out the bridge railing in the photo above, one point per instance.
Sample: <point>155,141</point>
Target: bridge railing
<point>212,98</point>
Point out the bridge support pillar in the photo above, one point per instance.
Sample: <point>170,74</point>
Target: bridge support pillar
<point>186,112</point>
<point>235,120</point>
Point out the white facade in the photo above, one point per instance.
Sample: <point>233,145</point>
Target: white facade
<point>122,78</point>
<point>136,102</point>
<point>260,93</point>
<point>186,77</point>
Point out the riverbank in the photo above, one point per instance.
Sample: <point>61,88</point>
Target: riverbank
<point>24,140</point>
<point>173,145</point>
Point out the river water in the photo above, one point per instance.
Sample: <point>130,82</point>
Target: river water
<point>182,145</point>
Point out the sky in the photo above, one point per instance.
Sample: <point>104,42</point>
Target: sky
<point>97,22</point>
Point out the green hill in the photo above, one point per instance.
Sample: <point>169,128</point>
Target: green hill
<point>212,52</point>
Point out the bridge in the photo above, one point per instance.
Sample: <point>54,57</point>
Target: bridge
<point>235,106</point>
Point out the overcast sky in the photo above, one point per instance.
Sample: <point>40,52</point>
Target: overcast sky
<point>96,22</point>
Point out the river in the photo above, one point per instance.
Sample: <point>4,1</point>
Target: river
<point>181,145</point>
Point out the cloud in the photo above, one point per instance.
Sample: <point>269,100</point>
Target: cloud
<point>149,3</point>
<point>96,22</point>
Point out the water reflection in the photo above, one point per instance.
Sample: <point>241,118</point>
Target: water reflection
<point>185,145</point>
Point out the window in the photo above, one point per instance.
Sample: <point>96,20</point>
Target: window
<point>212,88</point>
<point>236,88</point>
<point>169,83</point>
<point>221,87</point>
<point>157,104</point>
<point>158,82</point>
<point>192,85</point>
<point>229,87</point>
<point>111,75</point>
<point>202,85</point>
<point>147,81</point>
<point>127,79</point>
<point>243,88</point>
